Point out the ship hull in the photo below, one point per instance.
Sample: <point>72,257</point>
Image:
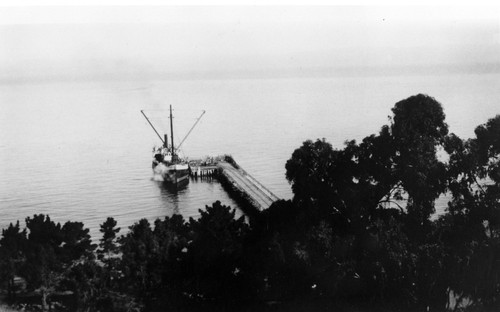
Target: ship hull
<point>172,174</point>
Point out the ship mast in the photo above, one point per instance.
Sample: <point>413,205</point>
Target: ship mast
<point>172,135</point>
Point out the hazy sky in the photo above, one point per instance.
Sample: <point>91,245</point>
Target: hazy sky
<point>38,43</point>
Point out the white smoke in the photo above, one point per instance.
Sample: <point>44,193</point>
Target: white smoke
<point>158,172</point>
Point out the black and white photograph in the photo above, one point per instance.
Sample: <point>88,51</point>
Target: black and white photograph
<point>249,157</point>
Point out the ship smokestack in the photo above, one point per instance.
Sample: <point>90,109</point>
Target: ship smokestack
<point>165,141</point>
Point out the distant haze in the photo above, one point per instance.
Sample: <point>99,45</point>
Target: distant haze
<point>86,43</point>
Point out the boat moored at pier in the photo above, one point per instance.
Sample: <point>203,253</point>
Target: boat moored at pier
<point>166,162</point>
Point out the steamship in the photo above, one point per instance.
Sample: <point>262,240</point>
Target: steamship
<point>166,162</point>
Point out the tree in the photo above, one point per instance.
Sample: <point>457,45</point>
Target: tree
<point>324,182</point>
<point>77,243</point>
<point>108,243</point>
<point>215,255</point>
<point>42,269</point>
<point>51,251</point>
<point>472,227</point>
<point>12,245</point>
<point>80,270</point>
<point>84,279</point>
<point>418,128</point>
<point>139,249</point>
<point>308,171</point>
<point>108,252</point>
<point>173,235</point>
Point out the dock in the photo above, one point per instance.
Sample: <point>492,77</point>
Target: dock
<point>257,194</point>
<point>238,182</point>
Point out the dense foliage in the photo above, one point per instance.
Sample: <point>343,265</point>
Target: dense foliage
<point>359,233</point>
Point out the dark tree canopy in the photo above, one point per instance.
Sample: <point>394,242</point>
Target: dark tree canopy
<point>108,241</point>
<point>357,179</point>
<point>45,251</point>
<point>418,128</point>
<point>416,119</point>
<point>12,247</point>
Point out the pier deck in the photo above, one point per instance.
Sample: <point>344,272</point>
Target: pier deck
<point>258,195</point>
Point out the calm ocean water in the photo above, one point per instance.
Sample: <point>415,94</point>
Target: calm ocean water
<point>81,151</point>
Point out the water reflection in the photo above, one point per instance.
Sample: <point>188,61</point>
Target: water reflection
<point>170,194</point>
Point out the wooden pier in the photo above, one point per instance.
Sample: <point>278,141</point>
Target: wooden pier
<point>237,181</point>
<point>256,193</point>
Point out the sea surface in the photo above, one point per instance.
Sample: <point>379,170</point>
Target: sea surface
<point>81,151</point>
